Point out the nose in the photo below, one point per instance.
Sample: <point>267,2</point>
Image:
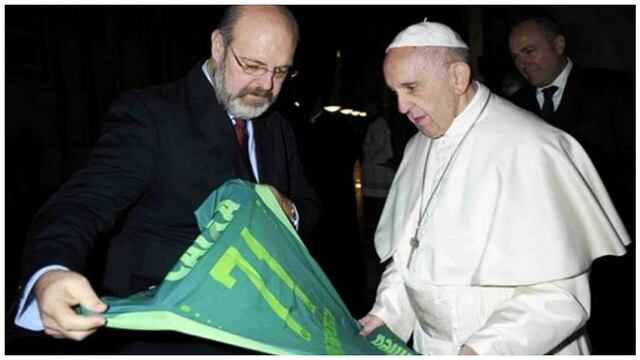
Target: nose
<point>266,80</point>
<point>403,105</point>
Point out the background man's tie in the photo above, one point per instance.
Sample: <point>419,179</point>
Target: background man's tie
<point>547,106</point>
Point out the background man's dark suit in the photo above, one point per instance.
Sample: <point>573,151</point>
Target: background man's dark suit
<point>163,150</point>
<point>598,109</point>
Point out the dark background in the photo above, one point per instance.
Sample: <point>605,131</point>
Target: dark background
<point>65,64</point>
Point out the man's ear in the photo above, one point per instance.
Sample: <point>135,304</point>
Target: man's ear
<point>460,76</point>
<point>559,44</point>
<point>217,46</point>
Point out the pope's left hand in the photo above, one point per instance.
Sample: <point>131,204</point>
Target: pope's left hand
<point>466,350</point>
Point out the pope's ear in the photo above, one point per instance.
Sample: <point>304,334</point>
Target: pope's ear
<point>460,76</point>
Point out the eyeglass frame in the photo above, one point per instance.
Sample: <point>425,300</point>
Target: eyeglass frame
<point>259,70</point>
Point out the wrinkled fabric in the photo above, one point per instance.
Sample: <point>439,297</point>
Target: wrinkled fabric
<point>521,203</point>
<point>506,243</point>
<point>546,318</point>
<point>249,281</point>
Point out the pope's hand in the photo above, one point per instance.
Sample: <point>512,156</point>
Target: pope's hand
<point>369,323</point>
<point>466,350</point>
<point>58,292</point>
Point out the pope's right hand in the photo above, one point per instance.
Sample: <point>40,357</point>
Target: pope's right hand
<point>369,323</point>
<point>58,292</point>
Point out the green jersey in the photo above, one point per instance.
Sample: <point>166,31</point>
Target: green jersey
<point>248,280</point>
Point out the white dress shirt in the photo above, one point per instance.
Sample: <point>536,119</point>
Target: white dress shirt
<point>561,82</point>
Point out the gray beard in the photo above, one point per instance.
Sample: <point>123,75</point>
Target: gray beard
<point>234,104</point>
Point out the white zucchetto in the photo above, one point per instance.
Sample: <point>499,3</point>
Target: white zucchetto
<point>428,34</point>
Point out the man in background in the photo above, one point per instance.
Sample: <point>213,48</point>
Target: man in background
<point>595,106</point>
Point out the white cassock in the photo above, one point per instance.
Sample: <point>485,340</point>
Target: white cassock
<point>506,243</point>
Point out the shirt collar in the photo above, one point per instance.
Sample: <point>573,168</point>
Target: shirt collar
<point>467,117</point>
<point>561,80</point>
<point>205,70</point>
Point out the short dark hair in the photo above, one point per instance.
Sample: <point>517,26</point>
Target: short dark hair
<point>233,13</point>
<point>544,22</point>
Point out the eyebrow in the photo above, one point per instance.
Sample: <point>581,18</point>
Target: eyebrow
<point>408,83</point>
<point>263,63</point>
<point>252,60</point>
<point>525,47</point>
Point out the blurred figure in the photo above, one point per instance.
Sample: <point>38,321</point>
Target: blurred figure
<point>511,83</point>
<point>330,152</point>
<point>377,175</point>
<point>493,219</point>
<point>377,156</point>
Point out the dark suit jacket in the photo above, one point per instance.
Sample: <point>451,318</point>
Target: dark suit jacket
<point>598,109</point>
<point>164,149</point>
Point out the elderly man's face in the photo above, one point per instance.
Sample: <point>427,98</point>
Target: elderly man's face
<point>424,94</point>
<point>538,56</point>
<point>262,39</point>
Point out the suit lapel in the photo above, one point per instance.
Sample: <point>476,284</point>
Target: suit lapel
<point>262,141</point>
<point>572,96</point>
<point>532,103</point>
<point>526,99</point>
<point>214,124</point>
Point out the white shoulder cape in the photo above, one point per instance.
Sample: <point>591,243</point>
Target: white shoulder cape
<point>522,204</point>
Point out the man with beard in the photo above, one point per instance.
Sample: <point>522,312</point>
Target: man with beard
<point>164,149</point>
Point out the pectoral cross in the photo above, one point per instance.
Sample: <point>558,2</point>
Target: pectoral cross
<point>414,242</point>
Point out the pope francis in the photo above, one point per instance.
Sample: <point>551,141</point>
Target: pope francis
<point>493,219</point>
